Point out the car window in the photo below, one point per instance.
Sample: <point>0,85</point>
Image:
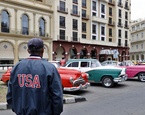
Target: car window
<point>84,64</point>
<point>95,64</point>
<point>73,64</point>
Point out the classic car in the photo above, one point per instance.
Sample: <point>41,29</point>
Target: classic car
<point>132,70</point>
<point>72,80</point>
<point>107,75</point>
<point>110,63</point>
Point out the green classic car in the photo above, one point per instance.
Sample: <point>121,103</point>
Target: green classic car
<point>107,75</point>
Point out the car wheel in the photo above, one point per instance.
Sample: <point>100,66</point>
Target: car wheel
<point>107,81</point>
<point>141,76</point>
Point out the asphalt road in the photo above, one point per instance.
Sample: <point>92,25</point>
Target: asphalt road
<point>126,98</point>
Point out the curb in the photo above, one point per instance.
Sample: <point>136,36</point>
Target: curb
<point>67,99</point>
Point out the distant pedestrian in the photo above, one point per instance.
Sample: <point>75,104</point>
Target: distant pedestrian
<point>35,86</point>
<point>63,61</point>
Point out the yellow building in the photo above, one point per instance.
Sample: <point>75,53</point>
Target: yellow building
<point>20,21</point>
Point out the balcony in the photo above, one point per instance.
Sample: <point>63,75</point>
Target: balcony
<point>62,9</point>
<point>126,26</point>
<point>126,7</point>
<point>85,17</point>
<point>104,1</point>
<point>75,39</point>
<point>120,4</point>
<point>75,13</point>
<point>120,25</point>
<point>110,23</point>
<point>62,38</point>
<point>111,2</point>
<point>100,20</point>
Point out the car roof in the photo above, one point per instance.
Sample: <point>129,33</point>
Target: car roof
<point>74,60</point>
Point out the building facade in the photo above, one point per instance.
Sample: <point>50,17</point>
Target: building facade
<point>20,21</point>
<point>70,28</point>
<point>137,51</point>
<point>91,29</point>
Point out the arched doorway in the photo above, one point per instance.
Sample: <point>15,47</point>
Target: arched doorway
<point>93,54</point>
<point>83,53</point>
<point>60,53</point>
<point>73,53</point>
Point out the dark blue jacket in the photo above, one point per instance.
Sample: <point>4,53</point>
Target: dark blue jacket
<point>35,88</point>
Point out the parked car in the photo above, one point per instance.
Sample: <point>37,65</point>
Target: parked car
<point>72,80</point>
<point>133,70</point>
<point>110,63</point>
<point>107,75</point>
<point>136,71</point>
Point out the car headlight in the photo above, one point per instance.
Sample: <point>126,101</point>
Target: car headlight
<point>71,79</point>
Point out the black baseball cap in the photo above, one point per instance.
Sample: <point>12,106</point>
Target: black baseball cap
<point>35,43</point>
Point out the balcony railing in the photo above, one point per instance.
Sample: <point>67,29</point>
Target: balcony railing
<point>75,39</point>
<point>111,23</point>
<point>75,13</point>
<point>62,9</point>
<point>120,24</point>
<point>84,16</point>
<point>111,2</point>
<point>62,37</point>
<point>126,26</point>
<point>120,4</point>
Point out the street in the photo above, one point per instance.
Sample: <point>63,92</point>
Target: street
<point>126,98</point>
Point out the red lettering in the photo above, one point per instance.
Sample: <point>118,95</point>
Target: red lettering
<point>28,80</point>
<point>36,81</point>
<point>21,79</point>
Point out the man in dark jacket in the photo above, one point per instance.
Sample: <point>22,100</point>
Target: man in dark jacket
<point>35,86</point>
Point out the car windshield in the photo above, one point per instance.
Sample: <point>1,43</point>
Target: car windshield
<point>95,64</point>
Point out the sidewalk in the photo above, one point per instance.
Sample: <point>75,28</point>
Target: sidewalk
<point>67,99</point>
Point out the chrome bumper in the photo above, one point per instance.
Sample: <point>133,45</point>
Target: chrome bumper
<point>120,78</point>
<point>80,87</point>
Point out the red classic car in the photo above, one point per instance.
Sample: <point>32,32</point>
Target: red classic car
<point>72,80</point>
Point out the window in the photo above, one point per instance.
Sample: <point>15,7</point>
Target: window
<point>110,20</point>
<point>119,33</point>
<point>94,29</point>
<point>141,46</point>
<point>83,27</point>
<point>120,14</point>
<point>83,3</point>
<point>126,34</point>
<point>75,24</point>
<point>84,64</point>
<point>110,11</point>
<point>102,30</point>
<point>62,34</point>
<point>110,39</point>
<point>42,27</point>
<point>83,13</point>
<point>93,37</point>
<point>94,5</point>
<point>84,36</point>
<point>75,36</point>
<point>126,42</point>
<point>62,21</point>
<point>25,25</point>
<point>5,21</point>
<point>74,64</point>
<point>119,42</point>
<point>142,35</point>
<point>103,8</point>
<point>75,1</point>
<point>62,6</point>
<point>126,15</point>
<point>75,10</point>
<point>110,31</point>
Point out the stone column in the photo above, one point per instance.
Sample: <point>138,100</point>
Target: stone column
<point>16,52</point>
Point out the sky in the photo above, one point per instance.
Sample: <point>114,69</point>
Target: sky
<point>137,9</point>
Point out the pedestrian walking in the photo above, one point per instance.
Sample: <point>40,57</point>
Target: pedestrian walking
<point>35,85</point>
